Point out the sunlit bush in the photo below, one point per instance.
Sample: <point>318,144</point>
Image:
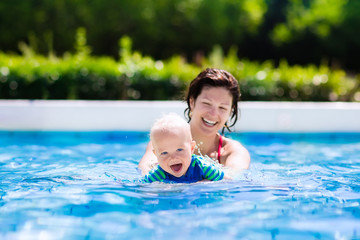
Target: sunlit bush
<point>138,77</point>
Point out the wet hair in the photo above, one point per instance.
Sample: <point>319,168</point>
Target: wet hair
<point>213,77</point>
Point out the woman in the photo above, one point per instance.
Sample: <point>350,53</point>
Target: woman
<point>212,100</point>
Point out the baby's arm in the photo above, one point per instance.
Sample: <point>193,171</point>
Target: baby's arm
<point>213,172</point>
<point>226,177</point>
<point>155,175</point>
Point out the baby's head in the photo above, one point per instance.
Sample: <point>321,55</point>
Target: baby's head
<point>172,144</point>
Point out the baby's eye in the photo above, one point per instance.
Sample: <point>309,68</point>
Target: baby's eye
<point>179,149</point>
<point>163,153</point>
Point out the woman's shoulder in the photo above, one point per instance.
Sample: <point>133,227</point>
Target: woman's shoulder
<point>231,143</point>
<point>234,152</point>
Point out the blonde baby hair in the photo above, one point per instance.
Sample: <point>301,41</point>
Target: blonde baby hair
<point>168,122</point>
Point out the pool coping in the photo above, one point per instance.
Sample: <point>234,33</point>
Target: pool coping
<point>82,115</point>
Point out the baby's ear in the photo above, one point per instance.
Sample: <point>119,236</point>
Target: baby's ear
<point>193,145</point>
<point>153,150</point>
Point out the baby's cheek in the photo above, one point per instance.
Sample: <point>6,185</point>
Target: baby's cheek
<point>162,163</point>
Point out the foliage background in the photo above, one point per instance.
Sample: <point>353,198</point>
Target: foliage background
<point>278,49</point>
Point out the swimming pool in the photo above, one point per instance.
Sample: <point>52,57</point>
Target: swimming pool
<point>84,185</point>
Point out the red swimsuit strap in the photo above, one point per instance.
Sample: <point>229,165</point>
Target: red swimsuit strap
<point>219,147</point>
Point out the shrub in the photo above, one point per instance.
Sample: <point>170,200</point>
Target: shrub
<point>138,77</point>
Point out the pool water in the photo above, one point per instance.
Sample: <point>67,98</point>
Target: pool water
<point>85,185</point>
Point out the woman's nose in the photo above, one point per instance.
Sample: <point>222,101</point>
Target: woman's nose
<point>212,111</point>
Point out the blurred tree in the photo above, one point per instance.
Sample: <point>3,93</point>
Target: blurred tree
<point>45,25</point>
<point>319,30</point>
<point>344,41</point>
<point>303,31</point>
<point>317,15</point>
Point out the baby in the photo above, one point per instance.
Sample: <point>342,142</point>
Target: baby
<point>173,146</point>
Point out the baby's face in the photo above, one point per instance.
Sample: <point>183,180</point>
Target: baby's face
<point>173,150</point>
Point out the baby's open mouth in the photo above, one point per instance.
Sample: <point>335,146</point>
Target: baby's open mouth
<point>176,167</point>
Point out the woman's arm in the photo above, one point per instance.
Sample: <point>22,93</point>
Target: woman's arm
<point>146,162</point>
<point>237,156</point>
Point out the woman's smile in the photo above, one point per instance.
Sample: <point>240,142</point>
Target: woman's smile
<point>209,122</point>
<point>211,109</point>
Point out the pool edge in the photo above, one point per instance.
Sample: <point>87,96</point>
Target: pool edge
<point>82,115</point>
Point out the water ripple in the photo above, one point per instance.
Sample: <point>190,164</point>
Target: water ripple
<point>76,188</point>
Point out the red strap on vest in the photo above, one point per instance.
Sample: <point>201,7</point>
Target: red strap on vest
<point>219,147</point>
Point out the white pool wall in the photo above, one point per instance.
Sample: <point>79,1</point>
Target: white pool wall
<point>78,115</point>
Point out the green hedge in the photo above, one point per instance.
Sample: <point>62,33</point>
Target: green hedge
<point>302,31</point>
<point>138,77</point>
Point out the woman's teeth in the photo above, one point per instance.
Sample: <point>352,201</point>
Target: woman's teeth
<point>208,122</point>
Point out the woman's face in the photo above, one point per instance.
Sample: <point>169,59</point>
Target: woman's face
<point>211,109</point>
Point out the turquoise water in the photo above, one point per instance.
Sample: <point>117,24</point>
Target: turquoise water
<point>57,185</point>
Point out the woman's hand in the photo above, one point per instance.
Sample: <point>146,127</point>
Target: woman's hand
<point>148,161</point>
